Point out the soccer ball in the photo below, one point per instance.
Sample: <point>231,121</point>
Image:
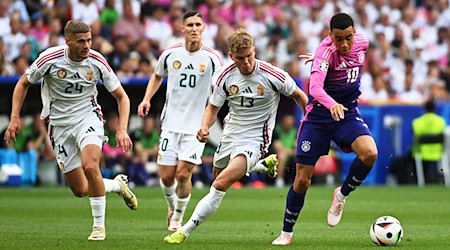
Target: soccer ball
<point>386,231</point>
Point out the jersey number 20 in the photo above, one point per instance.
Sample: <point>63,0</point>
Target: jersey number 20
<point>191,79</point>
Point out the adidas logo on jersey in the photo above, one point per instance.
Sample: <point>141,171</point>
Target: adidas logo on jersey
<point>76,76</point>
<point>342,65</point>
<point>194,156</point>
<point>247,90</point>
<point>90,129</point>
<point>189,66</point>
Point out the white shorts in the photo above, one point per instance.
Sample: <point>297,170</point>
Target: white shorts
<point>175,146</point>
<point>228,149</point>
<point>68,141</point>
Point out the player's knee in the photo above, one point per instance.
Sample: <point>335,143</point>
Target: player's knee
<point>369,157</point>
<point>183,176</point>
<point>91,170</point>
<point>301,184</point>
<point>167,181</point>
<point>79,192</point>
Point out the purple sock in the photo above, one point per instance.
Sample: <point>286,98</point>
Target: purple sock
<point>358,172</point>
<point>294,204</point>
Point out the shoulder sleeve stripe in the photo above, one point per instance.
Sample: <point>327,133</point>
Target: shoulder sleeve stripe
<point>327,53</point>
<point>226,71</point>
<point>213,65</point>
<point>272,71</point>
<point>216,53</point>
<point>177,45</point>
<point>101,60</point>
<point>165,61</point>
<point>49,57</point>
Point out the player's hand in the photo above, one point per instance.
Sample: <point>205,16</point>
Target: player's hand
<point>13,129</point>
<point>143,108</point>
<point>123,141</point>
<point>337,111</point>
<point>308,56</point>
<point>203,134</point>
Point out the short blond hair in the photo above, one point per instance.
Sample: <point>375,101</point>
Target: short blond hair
<point>239,41</point>
<point>74,27</point>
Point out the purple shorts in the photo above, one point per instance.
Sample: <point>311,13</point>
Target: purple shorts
<point>318,129</point>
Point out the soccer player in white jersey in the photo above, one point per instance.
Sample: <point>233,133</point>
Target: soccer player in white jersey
<point>189,67</point>
<point>252,88</point>
<point>70,74</point>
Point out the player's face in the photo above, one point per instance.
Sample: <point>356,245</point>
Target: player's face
<point>245,60</point>
<point>193,28</point>
<point>79,45</point>
<point>343,39</point>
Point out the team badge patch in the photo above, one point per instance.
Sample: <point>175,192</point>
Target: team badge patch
<point>260,90</point>
<point>361,57</point>
<point>61,166</point>
<point>306,146</point>
<point>234,89</point>
<point>202,68</point>
<point>176,64</point>
<point>323,65</point>
<point>89,75</point>
<point>62,73</point>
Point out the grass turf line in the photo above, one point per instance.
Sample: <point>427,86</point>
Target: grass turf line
<point>52,218</point>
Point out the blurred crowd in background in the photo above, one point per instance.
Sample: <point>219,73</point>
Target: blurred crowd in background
<point>407,62</point>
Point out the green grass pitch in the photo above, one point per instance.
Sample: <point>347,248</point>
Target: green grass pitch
<point>52,218</point>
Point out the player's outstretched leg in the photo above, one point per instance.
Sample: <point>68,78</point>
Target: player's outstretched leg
<point>283,240</point>
<point>176,238</point>
<point>98,233</point>
<point>128,196</point>
<point>268,165</point>
<point>336,208</point>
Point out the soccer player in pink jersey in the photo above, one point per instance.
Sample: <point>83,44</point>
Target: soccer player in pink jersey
<point>332,115</point>
<point>70,75</point>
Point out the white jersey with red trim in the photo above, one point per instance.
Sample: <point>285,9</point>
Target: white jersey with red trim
<point>69,88</point>
<point>253,101</point>
<point>188,87</point>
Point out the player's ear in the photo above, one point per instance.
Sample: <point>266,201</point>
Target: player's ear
<point>231,56</point>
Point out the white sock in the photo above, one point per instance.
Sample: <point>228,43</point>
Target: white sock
<point>341,197</point>
<point>98,205</point>
<point>205,208</point>
<point>111,186</point>
<point>169,193</point>
<point>288,233</point>
<point>259,167</point>
<point>180,208</point>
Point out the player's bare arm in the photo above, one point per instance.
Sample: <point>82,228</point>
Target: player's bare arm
<point>153,85</point>
<point>209,117</point>
<point>122,137</point>
<point>300,98</point>
<point>308,56</point>
<point>14,126</point>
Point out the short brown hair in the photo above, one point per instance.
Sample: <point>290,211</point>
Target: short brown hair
<point>239,41</point>
<point>75,27</point>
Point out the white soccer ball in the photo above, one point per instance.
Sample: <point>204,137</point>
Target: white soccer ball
<point>386,231</point>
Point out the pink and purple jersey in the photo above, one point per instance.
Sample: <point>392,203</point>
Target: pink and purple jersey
<point>336,78</point>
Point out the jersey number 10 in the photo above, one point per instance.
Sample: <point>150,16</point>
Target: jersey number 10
<point>352,74</point>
